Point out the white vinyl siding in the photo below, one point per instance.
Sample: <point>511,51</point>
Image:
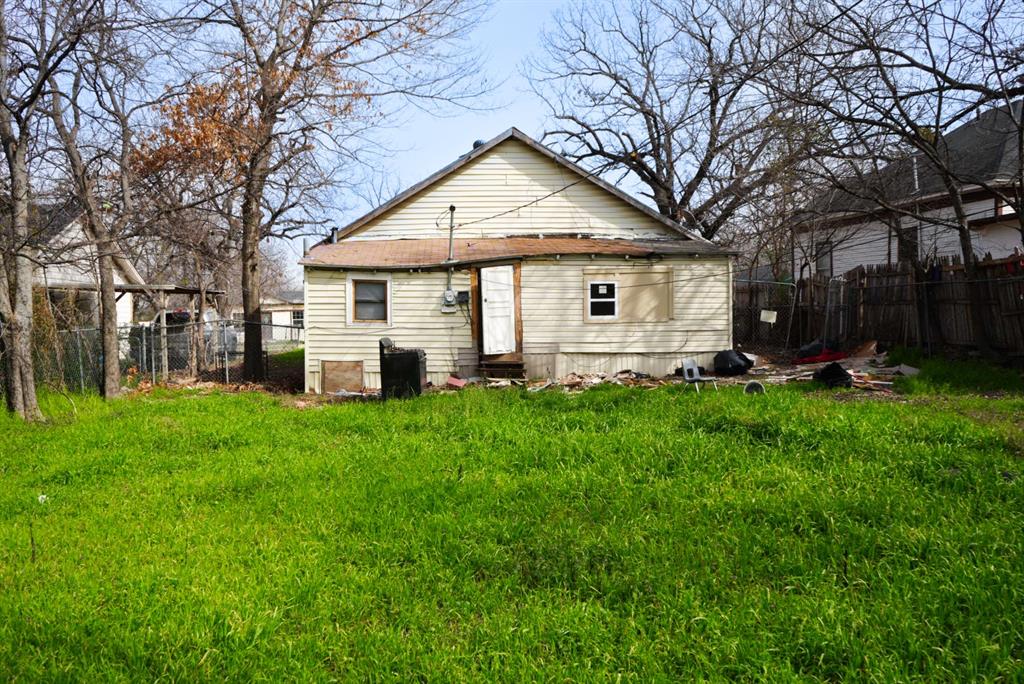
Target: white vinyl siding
<point>556,337</point>
<point>872,243</point>
<point>553,311</point>
<point>77,266</point>
<point>510,175</point>
<point>416,321</point>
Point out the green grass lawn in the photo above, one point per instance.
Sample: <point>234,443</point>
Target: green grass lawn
<point>656,535</point>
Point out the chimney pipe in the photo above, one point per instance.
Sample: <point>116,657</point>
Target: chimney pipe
<point>334,235</point>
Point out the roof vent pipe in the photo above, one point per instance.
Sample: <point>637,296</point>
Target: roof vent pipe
<point>334,235</point>
<point>451,233</point>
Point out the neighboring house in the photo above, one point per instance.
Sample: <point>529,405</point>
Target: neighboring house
<point>282,315</point>
<point>848,229</point>
<point>68,266</point>
<point>554,271</point>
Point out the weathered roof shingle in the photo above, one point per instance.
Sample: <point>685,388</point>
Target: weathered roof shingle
<point>433,253</point>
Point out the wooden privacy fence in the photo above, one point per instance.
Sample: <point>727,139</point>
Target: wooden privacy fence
<point>894,305</point>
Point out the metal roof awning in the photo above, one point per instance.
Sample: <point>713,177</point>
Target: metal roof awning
<point>163,289</point>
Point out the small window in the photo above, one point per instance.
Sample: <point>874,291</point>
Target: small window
<point>371,301</point>
<point>297,319</point>
<point>266,318</point>
<point>823,258</point>
<point>237,316</point>
<point>603,300</point>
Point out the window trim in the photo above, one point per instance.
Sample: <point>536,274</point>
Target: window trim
<point>302,316</point>
<point>614,299</point>
<point>351,299</point>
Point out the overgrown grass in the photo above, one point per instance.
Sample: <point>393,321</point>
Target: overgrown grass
<point>945,376</point>
<point>294,357</point>
<point>658,535</point>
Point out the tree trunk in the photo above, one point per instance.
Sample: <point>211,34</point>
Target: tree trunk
<point>20,377</point>
<point>111,386</point>
<point>252,359</point>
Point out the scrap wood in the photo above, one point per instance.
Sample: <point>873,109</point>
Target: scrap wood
<point>864,350</point>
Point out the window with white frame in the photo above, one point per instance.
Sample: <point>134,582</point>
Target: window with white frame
<point>370,301</point>
<point>297,318</point>
<point>602,300</point>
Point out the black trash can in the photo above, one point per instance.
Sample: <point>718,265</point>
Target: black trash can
<point>403,372</point>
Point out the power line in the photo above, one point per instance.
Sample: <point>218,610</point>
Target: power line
<point>889,235</point>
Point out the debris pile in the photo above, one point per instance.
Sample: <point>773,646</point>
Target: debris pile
<point>862,368</point>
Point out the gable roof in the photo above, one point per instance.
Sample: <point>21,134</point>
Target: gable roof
<point>982,151</point>
<point>481,150</point>
<point>291,296</point>
<point>49,221</point>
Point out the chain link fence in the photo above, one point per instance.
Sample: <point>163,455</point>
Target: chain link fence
<point>183,351</point>
<point>763,316</point>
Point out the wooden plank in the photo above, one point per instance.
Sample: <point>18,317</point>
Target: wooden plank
<point>341,375</point>
<point>517,290</point>
<point>474,309</point>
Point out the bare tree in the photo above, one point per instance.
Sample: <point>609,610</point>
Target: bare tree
<point>897,77</point>
<point>672,93</point>
<point>94,101</point>
<point>36,38</point>
<point>310,79</point>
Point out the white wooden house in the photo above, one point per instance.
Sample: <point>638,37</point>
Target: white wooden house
<point>281,314</point>
<point>548,270</point>
<point>857,225</point>
<point>67,265</point>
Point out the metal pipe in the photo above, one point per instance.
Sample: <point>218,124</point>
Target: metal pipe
<point>81,376</point>
<point>152,352</point>
<point>451,232</point>
<point>224,343</point>
<point>163,335</point>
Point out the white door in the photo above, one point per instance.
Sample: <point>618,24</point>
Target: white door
<point>499,309</point>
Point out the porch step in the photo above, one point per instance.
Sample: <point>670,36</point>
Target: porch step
<point>503,369</point>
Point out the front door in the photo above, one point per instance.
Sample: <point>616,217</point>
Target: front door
<point>498,296</point>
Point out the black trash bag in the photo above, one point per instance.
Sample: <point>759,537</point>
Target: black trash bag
<point>834,375</point>
<point>731,362</point>
<point>816,347</point>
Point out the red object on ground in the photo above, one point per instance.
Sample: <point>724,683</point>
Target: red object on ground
<point>456,383</point>
<point>827,355</point>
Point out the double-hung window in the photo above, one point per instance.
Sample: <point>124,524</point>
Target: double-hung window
<point>370,301</point>
<point>602,300</point>
<point>297,318</point>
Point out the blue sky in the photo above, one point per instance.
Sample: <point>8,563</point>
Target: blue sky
<point>511,33</point>
<point>424,143</point>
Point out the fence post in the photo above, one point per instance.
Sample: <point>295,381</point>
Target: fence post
<point>81,376</point>
<point>163,338</point>
<point>792,313</point>
<point>152,353</point>
<point>224,343</point>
